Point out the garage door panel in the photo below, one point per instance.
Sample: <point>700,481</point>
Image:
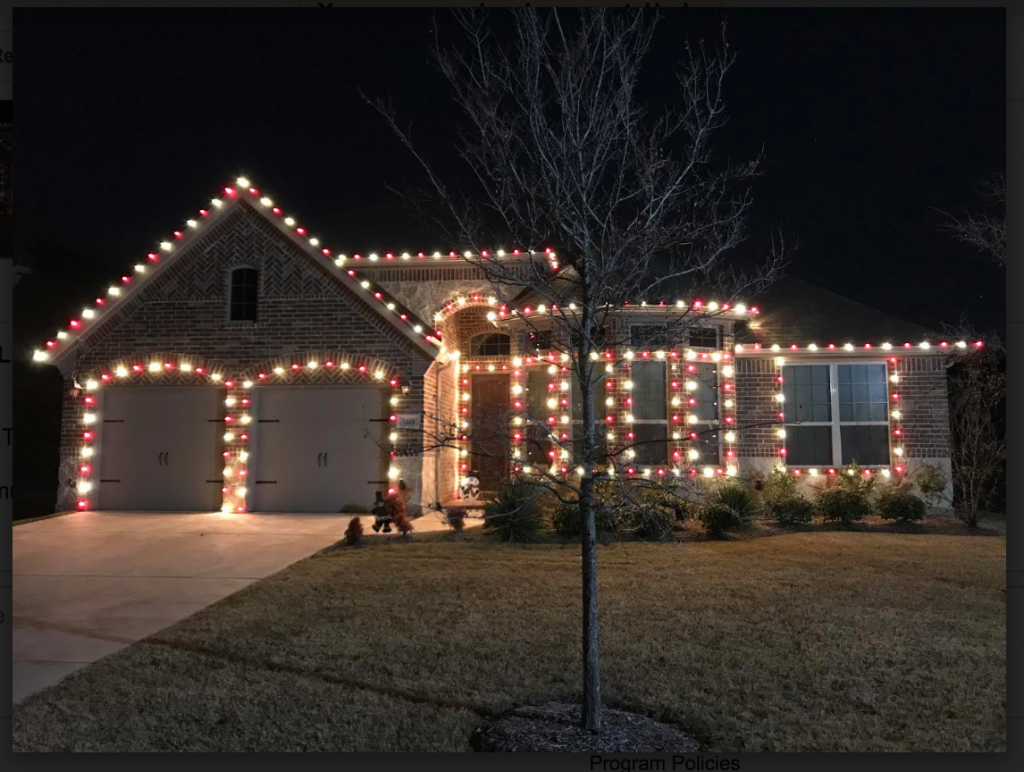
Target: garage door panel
<point>159,449</point>
<point>317,449</point>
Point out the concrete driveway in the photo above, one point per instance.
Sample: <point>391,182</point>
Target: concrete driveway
<point>89,583</point>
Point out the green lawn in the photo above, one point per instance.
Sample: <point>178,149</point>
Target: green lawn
<point>808,641</point>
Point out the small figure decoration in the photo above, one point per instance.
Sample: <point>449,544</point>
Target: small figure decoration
<point>381,514</point>
<point>470,488</point>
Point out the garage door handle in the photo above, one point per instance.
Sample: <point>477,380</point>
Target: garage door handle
<point>319,458</point>
<point>325,459</point>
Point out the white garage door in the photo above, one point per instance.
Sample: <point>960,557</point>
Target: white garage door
<point>318,448</point>
<point>160,449</point>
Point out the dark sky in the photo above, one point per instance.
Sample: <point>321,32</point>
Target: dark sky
<point>130,120</point>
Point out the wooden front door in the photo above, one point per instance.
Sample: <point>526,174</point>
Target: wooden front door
<point>489,430</point>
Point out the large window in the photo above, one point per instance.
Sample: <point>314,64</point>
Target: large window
<point>537,439</point>
<point>836,414</point>
<point>490,344</point>
<point>244,290</point>
<point>650,413</point>
<point>702,399</point>
<point>598,389</point>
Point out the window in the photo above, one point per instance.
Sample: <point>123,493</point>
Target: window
<point>704,337</point>
<point>650,336</point>
<point>536,438</point>
<point>650,413</point>
<point>836,414</point>
<point>535,340</point>
<point>490,344</point>
<point>599,391</point>
<point>244,289</point>
<point>703,403</point>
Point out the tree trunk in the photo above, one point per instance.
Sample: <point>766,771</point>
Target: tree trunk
<point>591,714</point>
<point>591,660</point>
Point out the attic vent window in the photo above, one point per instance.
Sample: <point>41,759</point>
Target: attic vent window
<point>244,289</point>
<point>491,344</point>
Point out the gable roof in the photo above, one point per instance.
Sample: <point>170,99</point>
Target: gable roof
<point>797,312</point>
<point>173,251</point>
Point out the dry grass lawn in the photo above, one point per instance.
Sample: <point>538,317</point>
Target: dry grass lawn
<point>811,641</point>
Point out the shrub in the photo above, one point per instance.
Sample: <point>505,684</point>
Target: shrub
<point>931,482</point>
<point>855,481</point>
<point>718,518</point>
<point>780,486</point>
<point>514,515</point>
<point>900,505</point>
<point>846,505</point>
<point>394,506</point>
<point>737,499</point>
<point>456,518</point>
<point>649,521</point>
<point>354,532</point>
<point>794,510</point>
<point>402,522</point>
<point>669,500</point>
<point>567,521</point>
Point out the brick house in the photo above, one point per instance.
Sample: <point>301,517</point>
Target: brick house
<point>245,366</point>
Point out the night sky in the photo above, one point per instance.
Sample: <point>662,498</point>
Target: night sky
<point>130,120</point>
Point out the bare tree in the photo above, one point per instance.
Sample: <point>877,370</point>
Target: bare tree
<point>977,394</point>
<point>985,230</point>
<point>564,154</point>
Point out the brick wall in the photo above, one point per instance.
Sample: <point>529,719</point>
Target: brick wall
<point>925,406</point>
<point>757,418</point>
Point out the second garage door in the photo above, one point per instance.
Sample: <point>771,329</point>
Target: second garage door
<point>318,449</point>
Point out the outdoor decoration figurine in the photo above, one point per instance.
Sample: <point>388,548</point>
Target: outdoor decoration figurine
<point>381,515</point>
<point>470,487</point>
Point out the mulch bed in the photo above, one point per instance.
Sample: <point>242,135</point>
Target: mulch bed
<point>555,727</point>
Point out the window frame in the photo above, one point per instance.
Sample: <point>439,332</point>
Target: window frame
<point>837,423</point>
<point>231,294</point>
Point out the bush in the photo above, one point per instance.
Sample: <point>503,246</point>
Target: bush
<point>738,500</point>
<point>665,499</point>
<point>718,518</point>
<point>780,486</point>
<point>402,522</point>
<point>900,505</point>
<point>855,481</point>
<point>514,516</point>
<point>931,482</point>
<point>567,521</point>
<point>456,518</point>
<point>845,505</point>
<point>649,521</point>
<point>795,510</point>
<point>354,532</point>
<point>394,506</point>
